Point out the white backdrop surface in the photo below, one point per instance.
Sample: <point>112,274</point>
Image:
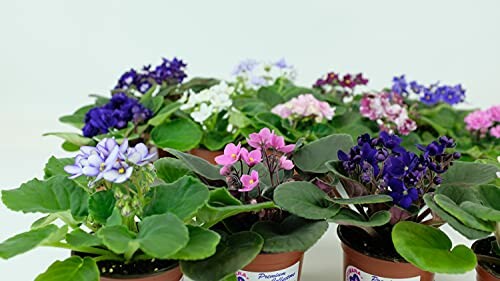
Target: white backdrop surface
<point>54,53</point>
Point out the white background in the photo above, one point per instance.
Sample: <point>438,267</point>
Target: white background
<point>54,53</point>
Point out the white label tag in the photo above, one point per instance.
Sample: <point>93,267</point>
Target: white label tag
<point>354,274</point>
<point>287,274</point>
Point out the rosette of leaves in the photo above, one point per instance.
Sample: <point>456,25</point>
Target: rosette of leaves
<point>96,230</point>
<point>413,231</point>
<point>247,229</point>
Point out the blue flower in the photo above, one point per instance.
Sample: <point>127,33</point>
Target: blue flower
<point>452,95</point>
<point>116,114</point>
<point>399,85</point>
<point>245,66</point>
<point>415,87</point>
<point>429,97</point>
<point>402,195</point>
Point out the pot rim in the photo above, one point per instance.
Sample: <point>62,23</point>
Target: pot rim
<point>136,276</point>
<point>481,270</point>
<point>347,243</point>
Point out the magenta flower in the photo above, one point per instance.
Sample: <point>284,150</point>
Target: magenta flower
<point>278,143</point>
<point>249,181</point>
<point>305,106</point>
<point>285,163</point>
<point>495,131</point>
<point>225,170</point>
<point>230,156</point>
<point>261,139</point>
<point>251,158</point>
<point>494,113</point>
<point>478,120</point>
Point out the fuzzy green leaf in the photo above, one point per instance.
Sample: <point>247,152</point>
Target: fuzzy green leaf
<point>26,241</point>
<point>305,200</point>
<point>80,238</point>
<point>293,234</point>
<point>233,253</point>
<point>349,217</point>
<point>469,174</point>
<point>202,244</point>
<point>73,138</point>
<point>367,199</point>
<point>181,134</point>
<point>430,249</point>
<point>171,169</point>
<point>198,165</point>
<point>101,205</point>
<point>463,216</point>
<point>73,268</point>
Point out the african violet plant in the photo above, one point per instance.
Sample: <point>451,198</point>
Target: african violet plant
<point>383,192</point>
<point>118,217</point>
<point>241,206</point>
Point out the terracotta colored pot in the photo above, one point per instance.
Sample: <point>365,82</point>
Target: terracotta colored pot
<point>365,267</point>
<point>173,274</point>
<point>206,154</point>
<point>483,274</point>
<point>279,265</point>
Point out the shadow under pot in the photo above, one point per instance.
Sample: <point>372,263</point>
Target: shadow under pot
<point>369,260</point>
<point>488,267</point>
<point>282,266</point>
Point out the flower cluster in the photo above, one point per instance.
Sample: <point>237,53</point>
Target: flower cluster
<point>115,114</point>
<point>384,166</point>
<point>430,95</point>
<point>109,161</point>
<point>390,112</point>
<point>484,121</point>
<point>169,72</point>
<point>208,102</point>
<point>268,148</point>
<point>304,106</point>
<point>341,84</point>
<point>252,74</point>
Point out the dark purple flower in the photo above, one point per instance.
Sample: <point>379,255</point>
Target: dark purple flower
<point>399,85</point>
<point>415,87</point>
<point>429,97</point>
<point>360,80</point>
<point>402,195</point>
<point>389,140</point>
<point>452,95</point>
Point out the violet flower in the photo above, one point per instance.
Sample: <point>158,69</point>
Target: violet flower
<point>251,158</point>
<point>249,181</point>
<point>232,154</point>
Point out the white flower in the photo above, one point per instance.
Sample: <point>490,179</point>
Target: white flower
<point>203,113</point>
<point>252,74</point>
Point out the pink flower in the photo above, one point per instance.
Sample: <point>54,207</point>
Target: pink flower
<point>260,139</point>
<point>303,106</point>
<point>478,120</point>
<point>252,158</point>
<point>495,132</point>
<point>230,156</point>
<point>282,110</point>
<point>494,113</point>
<point>278,143</point>
<point>285,163</point>
<point>225,171</point>
<point>249,181</point>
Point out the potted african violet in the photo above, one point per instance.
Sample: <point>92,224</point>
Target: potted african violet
<point>259,240</point>
<point>387,226</point>
<point>118,219</point>
<point>474,213</point>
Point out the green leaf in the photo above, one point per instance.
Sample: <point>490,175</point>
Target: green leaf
<point>77,119</point>
<point>118,239</point>
<point>152,103</point>
<point>55,166</point>
<point>54,195</point>
<point>466,231</point>
<point>220,207</point>
<point>198,165</point>
<point>26,241</point>
<point>347,216</point>
<point>215,140</point>
<point>181,134</point>
<point>73,268</point>
<point>489,195</point>
<point>464,217</point>
<point>367,199</point>
<point>161,236</point>
<point>352,187</point>
<point>481,211</point>
<point>202,244</point>
<point>115,218</point>
<point>73,138</point>
<point>182,198</point>
<point>171,169</point>
<point>305,200</point>
<point>293,234</point>
<point>238,119</point>
<point>233,253</point>
<point>163,115</point>
<point>44,221</point>
<point>313,156</point>
<point>430,249</point>
<point>80,238</point>
<point>101,205</point>
<point>270,96</point>
<point>469,174</point>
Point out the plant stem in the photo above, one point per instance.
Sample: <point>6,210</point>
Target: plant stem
<point>423,215</point>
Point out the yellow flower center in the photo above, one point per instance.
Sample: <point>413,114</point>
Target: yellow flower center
<point>251,159</point>
<point>251,181</point>
<point>405,192</point>
<point>121,170</point>
<point>427,97</point>
<point>347,81</point>
<point>102,166</point>
<point>233,155</point>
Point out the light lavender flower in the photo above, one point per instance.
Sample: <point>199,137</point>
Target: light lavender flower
<point>119,173</point>
<point>140,155</point>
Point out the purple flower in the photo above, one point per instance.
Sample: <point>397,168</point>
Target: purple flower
<point>415,87</point>
<point>251,158</point>
<point>401,195</point>
<point>249,181</point>
<point>452,95</point>
<point>282,64</point>
<point>140,155</point>
<point>115,114</point>
<point>429,97</point>
<point>245,66</point>
<point>119,173</point>
<point>399,85</point>
<point>286,164</point>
